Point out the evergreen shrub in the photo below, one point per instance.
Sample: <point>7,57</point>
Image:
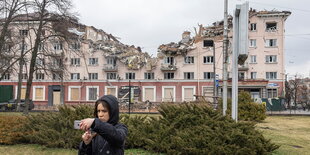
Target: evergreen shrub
<point>195,129</point>
<point>248,110</point>
<point>55,129</point>
<point>9,126</point>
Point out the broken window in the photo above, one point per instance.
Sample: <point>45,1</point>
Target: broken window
<point>253,27</point>
<point>271,58</point>
<point>7,76</point>
<point>93,61</point>
<point>93,76</point>
<point>271,26</point>
<point>23,32</point>
<point>189,60</point>
<point>75,61</point>
<point>75,76</point>
<point>57,46</point>
<point>253,58</point>
<point>149,76</point>
<point>7,48</point>
<point>39,76</point>
<point>272,93</point>
<point>24,76</point>
<point>241,75</point>
<point>169,75</point>
<point>111,61</point>
<point>57,62</point>
<point>23,47</point>
<point>76,46</point>
<point>169,60</point>
<point>208,75</point>
<point>271,75</point>
<point>111,76</point>
<point>188,75</point>
<point>130,76</point>
<point>40,61</point>
<point>253,75</point>
<point>207,59</point>
<point>41,47</point>
<point>208,43</point>
<point>252,42</point>
<point>271,43</point>
<point>56,76</point>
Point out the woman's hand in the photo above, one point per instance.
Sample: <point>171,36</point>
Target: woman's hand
<point>86,123</point>
<point>87,137</point>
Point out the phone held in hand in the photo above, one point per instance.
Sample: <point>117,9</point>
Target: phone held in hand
<point>77,124</point>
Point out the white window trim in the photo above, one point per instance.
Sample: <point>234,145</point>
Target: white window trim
<point>69,94</point>
<point>154,95</point>
<point>106,90</point>
<point>34,93</point>
<point>16,88</point>
<point>87,91</point>
<point>194,92</point>
<point>163,92</point>
<point>205,87</point>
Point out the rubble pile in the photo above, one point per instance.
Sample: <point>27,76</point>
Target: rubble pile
<point>131,56</point>
<point>180,48</point>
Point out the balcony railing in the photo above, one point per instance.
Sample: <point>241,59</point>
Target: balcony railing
<point>168,67</point>
<point>110,68</point>
<point>243,67</point>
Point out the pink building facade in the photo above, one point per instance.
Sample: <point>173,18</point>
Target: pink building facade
<point>181,71</point>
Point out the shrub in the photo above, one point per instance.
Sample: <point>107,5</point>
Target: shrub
<point>247,109</point>
<point>196,129</point>
<point>9,126</point>
<point>55,129</point>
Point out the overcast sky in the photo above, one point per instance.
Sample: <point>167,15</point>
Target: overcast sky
<point>150,23</point>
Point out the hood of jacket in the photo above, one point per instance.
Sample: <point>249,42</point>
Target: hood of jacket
<point>114,111</point>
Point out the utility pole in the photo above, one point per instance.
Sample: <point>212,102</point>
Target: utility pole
<point>129,102</point>
<point>214,78</point>
<point>225,56</point>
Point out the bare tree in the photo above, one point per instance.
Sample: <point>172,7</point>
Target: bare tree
<point>47,13</point>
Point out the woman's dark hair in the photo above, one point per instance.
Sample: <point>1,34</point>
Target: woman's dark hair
<point>104,104</point>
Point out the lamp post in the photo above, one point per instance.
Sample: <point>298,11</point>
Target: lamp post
<point>129,103</point>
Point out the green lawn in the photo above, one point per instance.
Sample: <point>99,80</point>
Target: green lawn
<point>292,133</point>
<point>33,149</point>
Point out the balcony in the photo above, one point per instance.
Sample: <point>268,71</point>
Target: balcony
<point>110,68</point>
<point>168,67</point>
<point>244,67</point>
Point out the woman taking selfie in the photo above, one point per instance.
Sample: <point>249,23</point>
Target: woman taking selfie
<point>103,134</point>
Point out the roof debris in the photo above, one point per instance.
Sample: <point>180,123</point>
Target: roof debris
<point>180,48</point>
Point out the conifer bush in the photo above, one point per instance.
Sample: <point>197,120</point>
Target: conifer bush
<point>196,129</point>
<point>248,110</point>
<point>55,129</point>
<point>9,126</point>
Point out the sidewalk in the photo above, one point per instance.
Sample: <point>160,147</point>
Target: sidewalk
<point>288,112</point>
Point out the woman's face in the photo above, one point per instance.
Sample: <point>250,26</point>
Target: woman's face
<point>103,113</point>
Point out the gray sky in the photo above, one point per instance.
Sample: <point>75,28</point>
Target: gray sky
<point>150,23</point>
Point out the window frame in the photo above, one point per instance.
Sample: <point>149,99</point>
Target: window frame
<point>87,92</point>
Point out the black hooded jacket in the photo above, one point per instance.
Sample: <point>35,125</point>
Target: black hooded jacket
<point>111,135</point>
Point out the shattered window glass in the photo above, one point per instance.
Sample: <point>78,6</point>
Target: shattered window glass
<point>271,58</point>
<point>39,76</point>
<point>92,93</point>
<point>208,43</point>
<point>271,43</point>
<point>130,75</point>
<point>149,76</point>
<point>93,61</point>
<point>208,59</point>
<point>208,75</point>
<point>75,61</point>
<point>23,32</point>
<point>57,46</point>
<point>271,26</point>
<point>7,76</point>
<point>188,75</point>
<point>93,76</point>
<point>189,60</point>
<point>169,60</point>
<point>75,76</point>
<point>253,26</point>
<point>271,75</point>
<point>169,75</point>
<point>111,76</point>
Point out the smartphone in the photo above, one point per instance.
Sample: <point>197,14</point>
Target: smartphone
<point>77,124</point>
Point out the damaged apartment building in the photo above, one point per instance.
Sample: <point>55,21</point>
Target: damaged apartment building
<point>97,63</point>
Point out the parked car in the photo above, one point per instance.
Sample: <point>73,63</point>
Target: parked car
<point>11,105</point>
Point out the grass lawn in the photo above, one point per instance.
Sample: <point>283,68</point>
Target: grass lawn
<point>292,133</point>
<point>35,149</point>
